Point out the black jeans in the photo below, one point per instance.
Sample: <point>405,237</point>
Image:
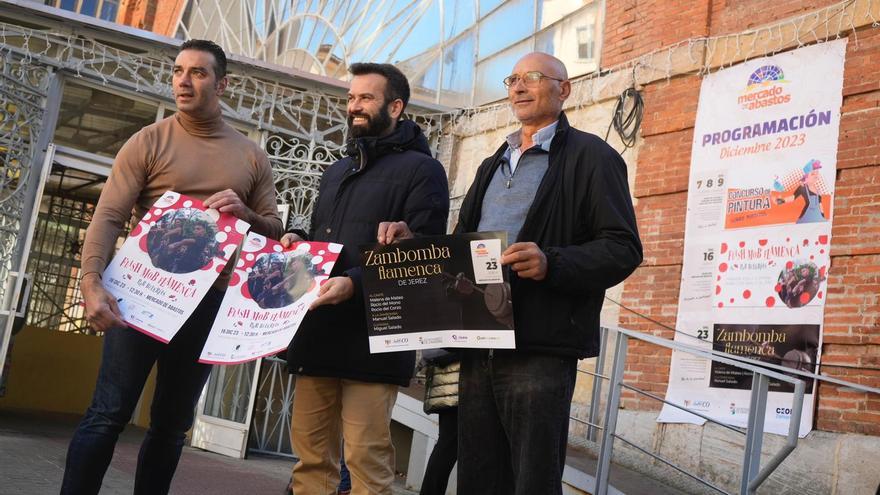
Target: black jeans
<point>513,422</point>
<point>443,456</point>
<point>126,362</point>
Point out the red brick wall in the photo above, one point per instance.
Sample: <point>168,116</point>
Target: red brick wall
<point>636,27</point>
<point>852,312</point>
<point>158,16</point>
<point>733,16</point>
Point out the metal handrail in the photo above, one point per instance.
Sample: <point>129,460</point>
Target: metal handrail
<point>752,475</point>
<point>730,359</point>
<point>672,465</point>
<point>683,408</point>
<point>790,371</point>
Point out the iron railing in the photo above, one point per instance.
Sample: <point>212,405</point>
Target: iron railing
<point>273,403</point>
<point>752,474</point>
<point>270,428</point>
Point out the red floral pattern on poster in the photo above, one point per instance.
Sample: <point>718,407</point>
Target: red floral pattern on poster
<point>269,294</point>
<point>169,261</point>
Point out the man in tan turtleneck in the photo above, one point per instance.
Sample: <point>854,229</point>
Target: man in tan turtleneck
<point>194,152</point>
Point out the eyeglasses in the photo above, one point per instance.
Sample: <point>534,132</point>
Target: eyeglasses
<point>530,79</point>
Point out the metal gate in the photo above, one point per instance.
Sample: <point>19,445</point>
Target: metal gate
<point>24,93</point>
<point>66,210</point>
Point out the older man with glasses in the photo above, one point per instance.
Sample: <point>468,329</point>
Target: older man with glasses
<point>562,196</point>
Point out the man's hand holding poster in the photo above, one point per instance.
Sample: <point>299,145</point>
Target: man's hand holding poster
<point>441,291</point>
<point>169,261</point>
<point>268,296</point>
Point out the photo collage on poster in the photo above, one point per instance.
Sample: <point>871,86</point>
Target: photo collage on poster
<point>268,296</point>
<point>169,261</point>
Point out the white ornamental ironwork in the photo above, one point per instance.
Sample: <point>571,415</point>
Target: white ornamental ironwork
<point>304,130</point>
<point>23,91</point>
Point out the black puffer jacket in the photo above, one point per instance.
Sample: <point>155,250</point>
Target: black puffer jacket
<point>582,219</point>
<point>389,179</point>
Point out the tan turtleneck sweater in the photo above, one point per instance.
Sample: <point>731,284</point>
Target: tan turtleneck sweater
<point>191,157</point>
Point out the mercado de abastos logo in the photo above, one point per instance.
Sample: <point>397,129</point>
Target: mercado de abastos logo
<point>765,88</point>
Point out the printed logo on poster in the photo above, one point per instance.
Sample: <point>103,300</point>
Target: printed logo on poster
<point>430,340</point>
<point>396,342</point>
<point>254,244</point>
<point>734,410</point>
<point>783,413</point>
<point>765,88</point>
<point>486,259</point>
<point>698,404</point>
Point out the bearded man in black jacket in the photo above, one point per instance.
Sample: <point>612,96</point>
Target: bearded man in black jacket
<point>562,196</point>
<point>343,391</point>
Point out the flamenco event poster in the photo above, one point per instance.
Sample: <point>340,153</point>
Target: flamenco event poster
<point>438,291</point>
<point>269,294</point>
<point>169,261</point>
<point>758,232</point>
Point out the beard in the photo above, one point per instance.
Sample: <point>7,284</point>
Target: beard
<point>376,124</point>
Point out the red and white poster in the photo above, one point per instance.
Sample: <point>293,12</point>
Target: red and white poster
<point>268,296</point>
<point>169,261</point>
<point>758,231</point>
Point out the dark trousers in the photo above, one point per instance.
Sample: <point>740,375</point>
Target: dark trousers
<point>344,475</point>
<point>126,362</point>
<point>443,456</point>
<point>513,422</point>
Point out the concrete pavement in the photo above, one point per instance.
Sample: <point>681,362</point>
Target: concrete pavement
<point>33,448</point>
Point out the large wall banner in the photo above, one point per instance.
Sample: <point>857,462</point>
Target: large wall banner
<point>758,231</point>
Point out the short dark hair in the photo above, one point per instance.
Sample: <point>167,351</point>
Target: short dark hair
<point>397,86</point>
<point>212,48</point>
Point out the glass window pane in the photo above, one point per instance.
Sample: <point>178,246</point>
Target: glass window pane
<point>406,36</point>
<point>109,9</point>
<point>68,5</point>
<point>307,28</point>
<point>509,24</point>
<point>425,34</point>
<point>458,15</point>
<point>491,73</point>
<point>99,122</point>
<point>574,41</point>
<point>458,72</point>
<point>88,7</point>
<point>424,86</point>
<point>260,18</point>
<point>550,11</point>
<point>487,5</point>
